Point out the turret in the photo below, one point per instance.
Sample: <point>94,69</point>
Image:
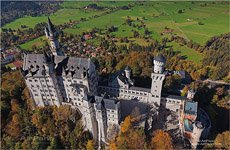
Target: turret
<point>198,128</point>
<point>128,72</point>
<point>191,94</point>
<point>52,36</point>
<point>159,63</point>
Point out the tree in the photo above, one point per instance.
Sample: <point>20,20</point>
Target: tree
<point>90,145</point>
<point>112,146</point>
<point>161,140</point>
<point>184,90</point>
<point>126,124</point>
<point>222,140</point>
<point>172,82</point>
<point>39,143</point>
<point>135,34</point>
<point>55,144</point>
<point>136,139</point>
<point>13,127</point>
<point>180,11</point>
<point>224,103</point>
<point>14,106</point>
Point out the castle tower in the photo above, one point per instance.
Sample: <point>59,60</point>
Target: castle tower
<point>157,79</point>
<point>159,63</point>
<point>128,72</point>
<point>191,94</point>
<point>89,118</point>
<point>198,128</point>
<point>52,35</point>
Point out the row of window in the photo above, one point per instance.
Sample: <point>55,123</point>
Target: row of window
<point>155,96</point>
<point>124,91</point>
<point>110,115</point>
<point>77,104</point>
<point>157,78</point>
<point>133,97</point>
<point>111,120</point>
<point>36,80</point>
<point>172,101</point>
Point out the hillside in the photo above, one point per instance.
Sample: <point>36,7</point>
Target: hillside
<point>11,10</point>
<point>191,20</point>
<point>217,55</point>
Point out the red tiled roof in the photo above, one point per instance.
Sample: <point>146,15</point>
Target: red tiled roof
<point>17,64</point>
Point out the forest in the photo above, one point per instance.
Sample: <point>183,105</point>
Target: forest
<point>11,10</point>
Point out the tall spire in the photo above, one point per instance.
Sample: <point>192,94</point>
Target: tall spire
<point>52,36</point>
<point>50,26</point>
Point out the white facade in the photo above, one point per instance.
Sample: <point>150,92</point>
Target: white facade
<point>62,80</point>
<point>196,134</point>
<point>156,87</point>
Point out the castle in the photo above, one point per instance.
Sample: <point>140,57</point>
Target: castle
<point>56,79</point>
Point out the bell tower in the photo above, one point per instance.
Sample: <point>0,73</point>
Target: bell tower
<point>52,36</point>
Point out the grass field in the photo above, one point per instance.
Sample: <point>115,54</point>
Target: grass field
<point>159,15</point>
<point>213,15</point>
<point>215,18</point>
<point>38,42</point>
<point>60,17</point>
<point>191,54</point>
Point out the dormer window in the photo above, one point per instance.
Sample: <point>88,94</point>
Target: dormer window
<point>84,74</point>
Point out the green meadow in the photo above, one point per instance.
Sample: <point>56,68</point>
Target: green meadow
<point>198,21</point>
<point>38,42</point>
<point>189,53</point>
<point>60,17</point>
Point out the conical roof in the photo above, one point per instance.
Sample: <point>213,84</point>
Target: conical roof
<point>127,68</point>
<point>160,58</point>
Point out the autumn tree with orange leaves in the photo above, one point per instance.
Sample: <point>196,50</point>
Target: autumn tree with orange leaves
<point>161,140</point>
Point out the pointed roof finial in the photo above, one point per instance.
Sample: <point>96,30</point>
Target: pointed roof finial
<point>50,26</point>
